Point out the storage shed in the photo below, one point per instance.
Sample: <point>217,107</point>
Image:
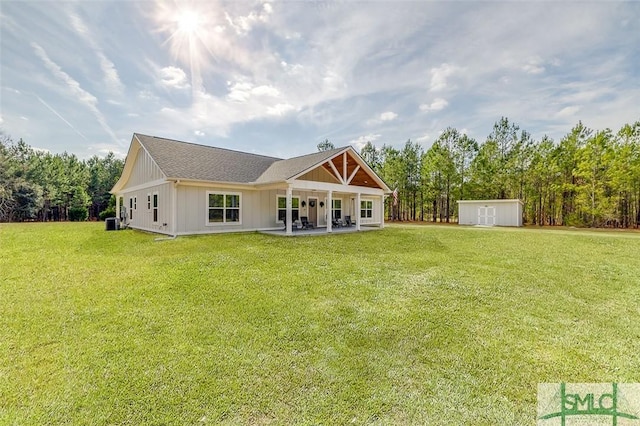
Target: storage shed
<point>490,212</point>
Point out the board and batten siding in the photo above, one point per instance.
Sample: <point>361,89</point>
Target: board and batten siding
<point>376,211</point>
<point>258,209</point>
<point>141,217</point>
<point>319,174</point>
<point>490,212</point>
<point>193,210</point>
<point>144,170</point>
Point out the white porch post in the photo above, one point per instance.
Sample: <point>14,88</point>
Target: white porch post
<point>118,206</point>
<point>174,213</point>
<point>289,215</point>
<point>356,213</point>
<point>382,211</point>
<point>329,211</point>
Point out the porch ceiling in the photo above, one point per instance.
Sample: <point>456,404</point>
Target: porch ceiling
<point>361,178</point>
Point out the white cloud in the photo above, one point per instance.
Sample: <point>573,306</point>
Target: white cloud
<point>568,111</point>
<point>239,92</point>
<point>75,90</point>
<point>291,69</point>
<point>361,141</point>
<point>242,91</point>
<point>534,66</point>
<point>423,138</point>
<point>388,116</point>
<point>280,109</point>
<point>265,90</point>
<point>199,133</point>
<point>437,105</point>
<point>174,77</point>
<point>440,75</point>
<point>244,24</point>
<point>111,77</point>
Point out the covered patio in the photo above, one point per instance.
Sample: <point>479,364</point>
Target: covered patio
<point>299,232</point>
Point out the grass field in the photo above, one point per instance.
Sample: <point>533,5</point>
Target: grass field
<point>410,325</point>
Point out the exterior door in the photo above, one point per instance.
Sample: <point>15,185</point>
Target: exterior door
<point>487,215</point>
<point>313,210</point>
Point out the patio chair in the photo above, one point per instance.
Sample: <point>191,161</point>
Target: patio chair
<point>337,223</point>
<point>347,221</point>
<point>305,222</point>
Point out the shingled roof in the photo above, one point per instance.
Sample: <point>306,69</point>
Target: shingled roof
<point>184,160</point>
<point>285,169</point>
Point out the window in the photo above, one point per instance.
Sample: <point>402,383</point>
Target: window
<point>155,207</point>
<point>282,208</point>
<point>149,202</point>
<point>366,209</point>
<point>336,209</point>
<point>130,208</point>
<point>223,208</point>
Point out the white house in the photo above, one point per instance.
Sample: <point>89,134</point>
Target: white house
<point>490,212</point>
<point>180,188</point>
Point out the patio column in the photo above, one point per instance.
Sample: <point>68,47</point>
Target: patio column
<point>118,206</point>
<point>289,214</point>
<point>329,213</point>
<point>382,211</point>
<point>356,213</point>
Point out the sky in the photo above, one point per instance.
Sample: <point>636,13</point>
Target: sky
<point>277,78</point>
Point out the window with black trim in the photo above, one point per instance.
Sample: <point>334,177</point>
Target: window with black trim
<point>282,208</point>
<point>366,209</point>
<point>155,207</point>
<point>223,208</point>
<point>336,208</point>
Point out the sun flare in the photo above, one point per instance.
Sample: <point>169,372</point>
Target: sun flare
<point>188,22</point>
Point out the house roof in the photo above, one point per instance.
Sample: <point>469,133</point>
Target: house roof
<point>186,160</point>
<point>285,169</point>
<point>189,161</point>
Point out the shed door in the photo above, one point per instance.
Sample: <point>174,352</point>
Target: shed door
<point>487,215</point>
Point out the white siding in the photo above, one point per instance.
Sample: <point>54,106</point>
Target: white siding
<point>143,215</point>
<point>144,170</point>
<point>258,209</point>
<point>498,212</point>
<point>375,212</point>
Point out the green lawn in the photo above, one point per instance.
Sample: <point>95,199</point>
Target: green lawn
<point>410,325</point>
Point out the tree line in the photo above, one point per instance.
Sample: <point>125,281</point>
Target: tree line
<point>589,178</point>
<point>38,185</point>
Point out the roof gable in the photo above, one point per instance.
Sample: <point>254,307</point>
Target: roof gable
<point>287,169</point>
<point>351,169</point>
